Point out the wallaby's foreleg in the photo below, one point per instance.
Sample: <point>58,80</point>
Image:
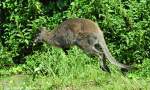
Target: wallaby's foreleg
<point>66,50</point>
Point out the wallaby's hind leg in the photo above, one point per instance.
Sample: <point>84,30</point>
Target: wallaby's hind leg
<point>91,49</point>
<point>102,62</point>
<point>102,59</point>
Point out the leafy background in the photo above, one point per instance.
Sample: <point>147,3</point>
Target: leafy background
<point>126,26</point>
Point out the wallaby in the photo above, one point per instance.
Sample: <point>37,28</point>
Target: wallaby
<point>83,33</point>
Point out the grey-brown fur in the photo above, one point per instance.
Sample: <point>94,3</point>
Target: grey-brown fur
<point>83,33</point>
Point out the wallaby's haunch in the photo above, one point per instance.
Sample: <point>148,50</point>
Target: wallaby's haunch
<point>83,33</point>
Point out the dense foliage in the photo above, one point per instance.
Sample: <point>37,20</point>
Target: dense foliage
<point>126,24</point>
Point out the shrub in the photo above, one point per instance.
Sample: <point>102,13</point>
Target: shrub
<point>125,23</point>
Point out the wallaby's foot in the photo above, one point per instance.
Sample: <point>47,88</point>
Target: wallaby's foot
<point>106,69</point>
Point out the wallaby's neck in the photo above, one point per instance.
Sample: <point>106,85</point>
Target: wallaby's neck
<point>48,36</point>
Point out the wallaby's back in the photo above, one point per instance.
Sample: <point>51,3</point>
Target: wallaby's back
<point>79,25</point>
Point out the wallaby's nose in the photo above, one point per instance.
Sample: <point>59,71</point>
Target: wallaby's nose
<point>36,40</point>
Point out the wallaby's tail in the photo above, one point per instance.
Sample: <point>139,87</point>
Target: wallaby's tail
<point>110,57</point>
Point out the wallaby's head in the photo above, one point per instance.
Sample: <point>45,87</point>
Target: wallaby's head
<point>40,35</point>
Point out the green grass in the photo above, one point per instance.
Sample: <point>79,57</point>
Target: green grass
<point>51,69</point>
<point>96,82</point>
